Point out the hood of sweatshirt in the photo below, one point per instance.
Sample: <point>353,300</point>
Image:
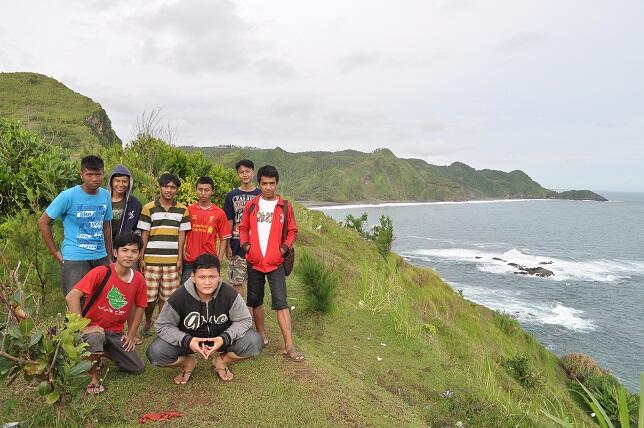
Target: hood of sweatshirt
<point>121,170</point>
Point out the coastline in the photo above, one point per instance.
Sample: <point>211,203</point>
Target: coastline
<point>312,205</point>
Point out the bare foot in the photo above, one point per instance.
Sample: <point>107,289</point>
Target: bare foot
<point>220,367</point>
<point>186,372</point>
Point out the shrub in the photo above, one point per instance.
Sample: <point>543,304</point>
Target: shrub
<point>384,235</point>
<point>579,366</point>
<point>605,388</point>
<point>320,283</point>
<point>520,368</point>
<point>32,172</point>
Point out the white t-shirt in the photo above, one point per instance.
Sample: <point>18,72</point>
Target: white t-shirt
<point>264,222</point>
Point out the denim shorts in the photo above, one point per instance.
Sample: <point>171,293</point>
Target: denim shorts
<point>276,282</point>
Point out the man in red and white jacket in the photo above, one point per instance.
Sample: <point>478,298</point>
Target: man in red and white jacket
<point>260,235</point>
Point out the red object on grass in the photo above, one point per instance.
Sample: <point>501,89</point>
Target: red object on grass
<point>161,416</point>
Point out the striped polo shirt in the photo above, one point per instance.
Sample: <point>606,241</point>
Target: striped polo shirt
<point>164,226</point>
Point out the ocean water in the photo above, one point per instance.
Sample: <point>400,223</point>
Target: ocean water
<point>593,304</point>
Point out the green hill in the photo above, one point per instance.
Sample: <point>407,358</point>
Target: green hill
<point>350,176</point>
<point>54,112</point>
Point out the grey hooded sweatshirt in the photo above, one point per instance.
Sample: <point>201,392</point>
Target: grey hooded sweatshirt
<point>185,316</point>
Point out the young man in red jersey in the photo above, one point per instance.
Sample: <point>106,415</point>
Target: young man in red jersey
<point>207,222</point>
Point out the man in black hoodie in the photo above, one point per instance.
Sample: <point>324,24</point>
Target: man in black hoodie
<point>204,316</point>
<point>126,209</point>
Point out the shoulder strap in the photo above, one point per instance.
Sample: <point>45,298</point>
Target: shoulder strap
<point>285,227</point>
<point>98,291</point>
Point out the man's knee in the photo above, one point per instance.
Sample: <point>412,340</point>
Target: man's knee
<point>253,344</point>
<point>156,352</point>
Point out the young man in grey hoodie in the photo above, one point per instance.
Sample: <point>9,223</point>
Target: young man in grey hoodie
<point>126,208</point>
<point>204,316</point>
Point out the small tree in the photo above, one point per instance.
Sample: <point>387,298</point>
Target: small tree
<point>320,283</point>
<point>384,235</point>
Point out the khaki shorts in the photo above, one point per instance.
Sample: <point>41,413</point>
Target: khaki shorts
<point>161,281</point>
<point>237,270</point>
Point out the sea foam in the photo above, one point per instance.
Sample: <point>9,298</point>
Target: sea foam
<point>527,312</point>
<point>564,269</point>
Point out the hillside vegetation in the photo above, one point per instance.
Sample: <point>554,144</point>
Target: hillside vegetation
<point>400,347</point>
<point>350,176</point>
<point>54,112</point>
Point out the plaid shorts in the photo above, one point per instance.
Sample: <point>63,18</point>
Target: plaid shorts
<point>237,270</point>
<point>161,281</point>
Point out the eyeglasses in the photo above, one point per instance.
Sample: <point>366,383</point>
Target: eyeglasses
<point>205,277</point>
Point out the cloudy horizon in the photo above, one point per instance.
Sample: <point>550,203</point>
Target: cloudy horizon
<point>555,89</point>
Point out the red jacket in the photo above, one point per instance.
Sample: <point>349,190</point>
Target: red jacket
<point>248,234</point>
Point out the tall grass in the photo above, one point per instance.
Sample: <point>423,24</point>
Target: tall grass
<point>320,283</point>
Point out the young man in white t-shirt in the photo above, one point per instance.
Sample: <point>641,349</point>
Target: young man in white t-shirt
<point>260,233</point>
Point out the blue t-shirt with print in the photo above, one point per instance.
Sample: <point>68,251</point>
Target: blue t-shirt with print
<point>83,216</point>
<point>234,205</point>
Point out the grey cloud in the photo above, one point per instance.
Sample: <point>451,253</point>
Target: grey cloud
<point>203,36</point>
<point>300,110</point>
<point>522,40</point>
<point>452,5</point>
<point>359,60</point>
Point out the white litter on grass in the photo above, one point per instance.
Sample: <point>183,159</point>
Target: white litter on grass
<point>379,358</point>
<point>383,344</point>
<point>368,338</point>
<point>319,227</point>
<point>292,308</point>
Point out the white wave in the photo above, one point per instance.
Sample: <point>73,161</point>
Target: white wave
<point>563,269</point>
<point>527,312</point>
<point>409,204</point>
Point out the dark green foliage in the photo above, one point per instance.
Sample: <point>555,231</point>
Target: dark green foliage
<point>605,388</point>
<point>32,172</point>
<point>320,283</point>
<point>359,224</point>
<point>521,369</point>
<point>384,235</point>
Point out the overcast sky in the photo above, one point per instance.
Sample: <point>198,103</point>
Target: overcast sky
<point>552,87</point>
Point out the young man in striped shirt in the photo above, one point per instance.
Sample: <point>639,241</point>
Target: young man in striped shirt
<point>163,224</point>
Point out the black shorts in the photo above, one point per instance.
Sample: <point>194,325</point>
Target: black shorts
<point>277,283</point>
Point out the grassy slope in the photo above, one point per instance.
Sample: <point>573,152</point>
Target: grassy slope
<point>55,112</point>
<point>342,382</point>
<point>350,175</point>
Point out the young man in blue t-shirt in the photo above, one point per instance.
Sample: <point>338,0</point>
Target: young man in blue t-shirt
<point>234,205</point>
<point>86,213</point>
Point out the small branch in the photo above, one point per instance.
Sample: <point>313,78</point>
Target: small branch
<point>16,359</point>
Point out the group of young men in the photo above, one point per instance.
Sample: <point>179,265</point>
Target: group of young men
<point>120,259</point>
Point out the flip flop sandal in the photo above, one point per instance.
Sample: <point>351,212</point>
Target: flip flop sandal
<point>294,355</point>
<point>226,370</point>
<point>138,341</point>
<point>94,389</point>
<point>185,377</point>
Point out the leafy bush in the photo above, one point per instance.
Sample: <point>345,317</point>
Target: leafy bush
<point>579,366</point>
<point>520,368</point>
<point>606,390</point>
<point>320,283</point>
<point>32,172</point>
